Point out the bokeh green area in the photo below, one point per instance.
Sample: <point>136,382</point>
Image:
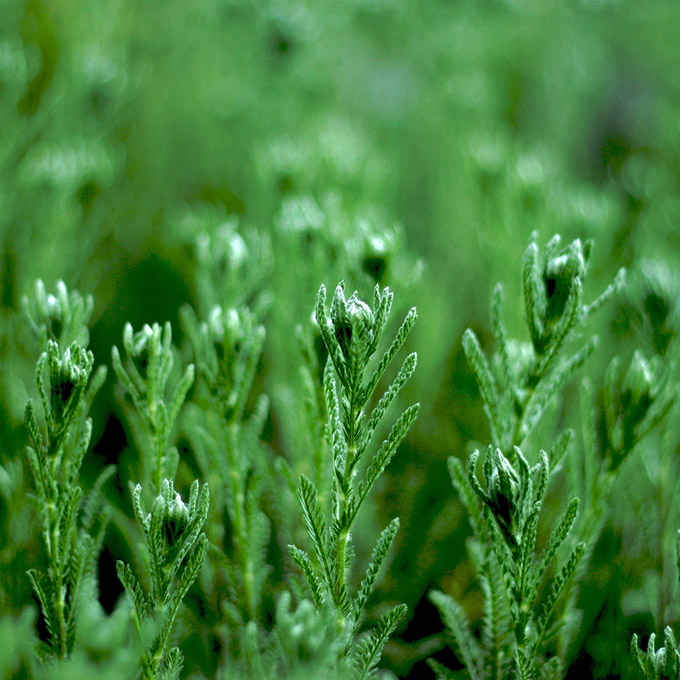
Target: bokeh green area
<point>414,143</point>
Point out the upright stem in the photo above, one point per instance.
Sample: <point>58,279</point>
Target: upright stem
<point>517,440</point>
<point>57,578</point>
<point>243,558</point>
<point>157,444</point>
<point>343,537</point>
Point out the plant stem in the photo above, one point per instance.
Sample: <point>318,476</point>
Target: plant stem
<point>343,536</point>
<point>244,560</point>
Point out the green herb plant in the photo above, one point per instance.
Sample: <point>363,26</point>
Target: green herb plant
<point>176,549</point>
<point>227,347</point>
<point>175,546</point>
<point>145,377</point>
<point>274,618</point>
<point>524,378</point>
<point>351,334</point>
<point>524,596</point>
<point>72,530</point>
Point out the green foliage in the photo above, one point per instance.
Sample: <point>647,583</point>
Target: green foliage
<point>511,567</point>
<point>72,538</point>
<point>657,663</point>
<point>635,403</point>
<point>529,555</point>
<point>528,377</point>
<point>225,158</point>
<point>305,642</point>
<point>227,348</point>
<point>351,335</point>
<point>157,405</point>
<point>505,510</point>
<point>176,549</point>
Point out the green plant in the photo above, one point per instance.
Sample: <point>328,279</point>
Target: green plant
<point>72,534</point>
<point>351,335</point>
<point>517,625</point>
<point>141,141</point>
<point>145,378</point>
<point>176,548</point>
<point>517,388</point>
<point>523,379</point>
<point>227,348</point>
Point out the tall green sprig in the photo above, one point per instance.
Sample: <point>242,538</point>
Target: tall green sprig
<point>227,348</point>
<point>145,377</point>
<point>523,378</point>
<point>517,385</point>
<point>55,457</point>
<point>630,404</point>
<point>176,549</point>
<point>72,534</point>
<point>352,333</point>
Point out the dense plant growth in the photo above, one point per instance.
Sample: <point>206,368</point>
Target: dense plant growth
<point>219,458</point>
<point>530,613</point>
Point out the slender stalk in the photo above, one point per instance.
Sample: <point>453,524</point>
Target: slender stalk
<point>243,557</point>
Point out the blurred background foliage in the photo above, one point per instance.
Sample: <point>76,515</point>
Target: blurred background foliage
<point>417,144</point>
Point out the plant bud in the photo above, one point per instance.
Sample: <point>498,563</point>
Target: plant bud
<point>53,316</point>
<point>226,329</point>
<point>55,312</point>
<point>175,518</point>
<point>137,344</point>
<point>560,273</point>
<point>378,251</point>
<point>358,312</point>
<point>637,383</point>
<point>68,375</point>
<point>503,490</point>
<point>350,318</point>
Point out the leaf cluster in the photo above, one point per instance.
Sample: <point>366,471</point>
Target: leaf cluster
<point>505,516</point>
<point>176,548</point>
<point>227,348</point>
<point>523,594</point>
<point>657,664</point>
<point>351,334</point>
<point>635,403</point>
<point>522,379</point>
<point>72,527</point>
<point>145,377</point>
